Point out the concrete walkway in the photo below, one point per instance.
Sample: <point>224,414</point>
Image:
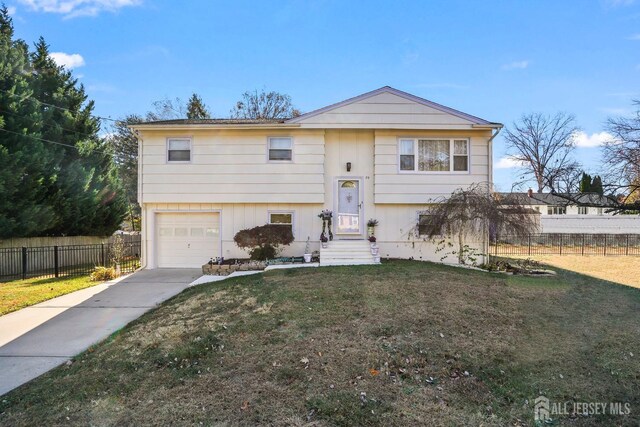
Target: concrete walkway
<point>38,338</point>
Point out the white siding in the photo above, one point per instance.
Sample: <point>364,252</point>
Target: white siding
<point>232,167</point>
<point>391,186</point>
<point>386,110</point>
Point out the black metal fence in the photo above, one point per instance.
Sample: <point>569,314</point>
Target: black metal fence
<point>568,244</point>
<point>72,260</point>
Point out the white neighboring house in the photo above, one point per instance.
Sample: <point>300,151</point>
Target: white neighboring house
<point>559,214</point>
<point>384,155</point>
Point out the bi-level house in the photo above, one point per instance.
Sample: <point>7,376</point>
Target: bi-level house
<point>385,154</point>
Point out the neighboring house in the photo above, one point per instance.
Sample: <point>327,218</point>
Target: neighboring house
<point>568,213</point>
<point>384,154</point>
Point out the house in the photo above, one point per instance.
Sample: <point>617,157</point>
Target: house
<point>576,213</point>
<point>385,154</point>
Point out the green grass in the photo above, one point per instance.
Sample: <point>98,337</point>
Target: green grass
<point>23,293</point>
<point>355,346</point>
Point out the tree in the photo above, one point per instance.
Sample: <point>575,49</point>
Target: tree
<point>596,185</point>
<point>56,176</point>
<point>167,109</point>
<point>622,159</point>
<point>545,145</point>
<point>474,212</point>
<point>585,183</point>
<point>196,109</point>
<point>263,106</point>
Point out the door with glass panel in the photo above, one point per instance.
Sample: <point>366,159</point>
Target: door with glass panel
<point>348,216</point>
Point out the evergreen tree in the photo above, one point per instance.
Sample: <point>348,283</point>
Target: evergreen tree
<point>196,109</point>
<point>56,175</point>
<point>585,183</point>
<point>596,185</point>
<point>24,159</point>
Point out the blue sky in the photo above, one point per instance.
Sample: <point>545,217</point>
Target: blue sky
<point>493,59</point>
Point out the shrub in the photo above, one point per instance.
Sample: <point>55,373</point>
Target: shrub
<point>103,273</point>
<point>264,241</point>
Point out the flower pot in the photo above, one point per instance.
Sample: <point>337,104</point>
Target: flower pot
<point>324,245</point>
<point>373,245</point>
<point>370,231</point>
<point>374,250</point>
<point>307,257</point>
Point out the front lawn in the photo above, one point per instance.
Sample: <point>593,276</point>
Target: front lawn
<point>405,343</point>
<point>23,293</point>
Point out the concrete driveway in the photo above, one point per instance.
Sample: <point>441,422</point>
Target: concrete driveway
<point>38,338</point>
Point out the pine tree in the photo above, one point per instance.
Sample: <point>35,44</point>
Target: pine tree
<point>596,185</point>
<point>585,183</point>
<point>24,159</point>
<point>196,109</point>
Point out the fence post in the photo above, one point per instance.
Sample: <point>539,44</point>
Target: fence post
<point>529,238</point>
<point>583,238</point>
<point>56,264</point>
<point>605,244</point>
<point>561,241</point>
<point>626,252</point>
<point>102,254</point>
<point>24,263</point>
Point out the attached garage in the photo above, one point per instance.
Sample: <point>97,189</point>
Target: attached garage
<point>187,240</point>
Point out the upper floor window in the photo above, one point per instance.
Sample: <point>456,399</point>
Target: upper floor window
<point>281,148</point>
<point>434,155</point>
<point>179,150</point>
<point>583,210</point>
<point>556,210</point>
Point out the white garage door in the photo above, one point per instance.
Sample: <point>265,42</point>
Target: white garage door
<point>187,239</point>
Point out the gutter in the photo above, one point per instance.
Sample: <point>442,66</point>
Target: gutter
<point>211,127</point>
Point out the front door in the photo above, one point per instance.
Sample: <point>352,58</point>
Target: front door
<point>348,218</point>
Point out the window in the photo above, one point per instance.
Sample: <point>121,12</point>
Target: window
<point>434,155</point>
<point>179,150</point>
<point>280,149</point>
<point>556,210</point>
<point>583,210</point>
<point>600,211</point>
<point>285,218</point>
<point>424,222</point>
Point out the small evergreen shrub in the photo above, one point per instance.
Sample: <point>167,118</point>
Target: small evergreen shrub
<point>264,241</point>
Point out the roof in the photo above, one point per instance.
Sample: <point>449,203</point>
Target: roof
<point>221,121</point>
<point>559,199</point>
<point>296,121</point>
<point>388,89</point>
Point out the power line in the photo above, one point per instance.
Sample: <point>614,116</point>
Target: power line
<point>50,141</point>
<point>65,129</point>
<point>55,106</point>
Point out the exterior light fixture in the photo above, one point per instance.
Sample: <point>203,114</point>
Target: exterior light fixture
<point>348,166</point>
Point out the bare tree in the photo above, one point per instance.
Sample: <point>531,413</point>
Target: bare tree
<point>167,109</point>
<point>264,105</point>
<point>544,144</point>
<point>475,211</point>
<point>622,158</point>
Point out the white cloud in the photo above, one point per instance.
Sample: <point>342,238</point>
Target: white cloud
<point>66,60</point>
<point>508,163</point>
<point>635,36</point>
<point>516,65</point>
<point>582,139</point>
<point>11,10</point>
<point>73,8</point>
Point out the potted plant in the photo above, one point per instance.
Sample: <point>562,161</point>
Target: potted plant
<point>371,225</point>
<point>324,240</point>
<point>307,251</point>
<point>374,247</point>
<point>326,216</point>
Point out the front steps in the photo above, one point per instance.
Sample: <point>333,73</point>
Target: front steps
<point>348,252</point>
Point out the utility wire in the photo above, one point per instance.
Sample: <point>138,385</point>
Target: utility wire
<point>50,141</point>
<point>55,106</point>
<point>65,129</point>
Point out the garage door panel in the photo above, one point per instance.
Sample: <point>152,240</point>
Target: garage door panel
<point>187,239</point>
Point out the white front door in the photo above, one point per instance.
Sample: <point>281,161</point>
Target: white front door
<point>348,217</point>
<point>187,240</point>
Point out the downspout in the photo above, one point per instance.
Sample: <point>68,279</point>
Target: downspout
<point>487,247</point>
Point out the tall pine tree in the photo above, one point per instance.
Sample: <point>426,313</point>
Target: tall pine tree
<point>56,174</point>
